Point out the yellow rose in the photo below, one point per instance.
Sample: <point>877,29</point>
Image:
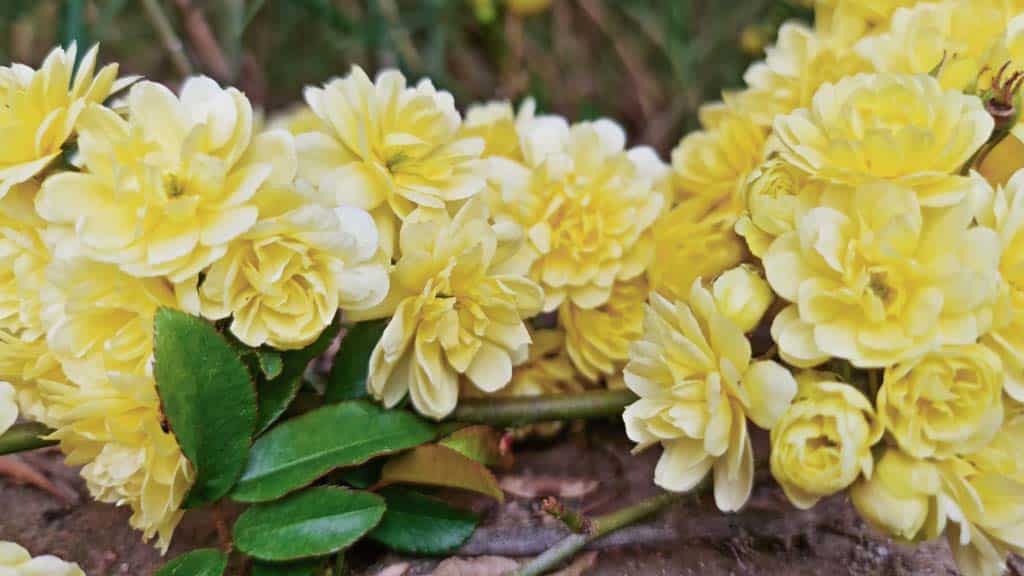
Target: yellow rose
<point>1007,339</point>
<point>743,296</point>
<point>99,318</point>
<point>585,205</point>
<point>902,128</point>
<point>297,120</point>
<point>109,424</point>
<point>822,444</point>
<point>697,385</point>
<point>775,195</point>
<point>981,513</point>
<point>24,364</point>
<point>39,109</point>
<point>16,561</point>
<point>695,239</point>
<point>283,281</point>
<point>876,279</point>
<point>164,191</point>
<point>714,162</point>
<point>388,148</point>
<point>1005,453</point>
<point>949,402</point>
<point>496,123</point>
<point>23,259</point>
<point>598,339</point>
<point>799,62</point>
<point>955,37</point>
<point>456,311</point>
<point>8,406</point>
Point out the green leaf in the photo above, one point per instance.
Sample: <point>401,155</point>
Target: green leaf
<point>208,400</point>
<point>277,392</point>
<point>347,380</point>
<point>417,524</point>
<point>481,443</point>
<point>363,476</point>
<point>435,465</point>
<point>202,562</point>
<point>270,363</point>
<point>302,568</point>
<point>311,523</point>
<point>297,452</point>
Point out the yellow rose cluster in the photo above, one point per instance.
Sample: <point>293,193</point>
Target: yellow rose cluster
<point>167,200</point>
<point>871,167</point>
<point>836,256</point>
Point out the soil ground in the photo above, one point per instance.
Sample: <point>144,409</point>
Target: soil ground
<point>595,473</point>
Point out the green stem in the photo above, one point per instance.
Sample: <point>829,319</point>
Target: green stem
<point>531,409</point>
<point>25,437</point>
<point>600,526</point>
<point>168,37</point>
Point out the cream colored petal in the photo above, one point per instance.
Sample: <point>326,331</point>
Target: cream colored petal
<point>770,389</point>
<point>491,368</point>
<point>8,406</point>
<point>682,465</point>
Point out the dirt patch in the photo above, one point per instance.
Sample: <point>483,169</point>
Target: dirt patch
<point>767,538</point>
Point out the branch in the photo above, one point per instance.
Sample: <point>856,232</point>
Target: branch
<point>600,526</point>
<point>203,41</point>
<point>172,44</point>
<point>24,437</point>
<point>548,408</point>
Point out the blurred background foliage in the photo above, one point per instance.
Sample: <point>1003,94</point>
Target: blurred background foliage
<point>647,63</point>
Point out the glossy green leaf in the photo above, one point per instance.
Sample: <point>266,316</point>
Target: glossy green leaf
<point>435,465</point>
<point>481,443</point>
<point>208,400</point>
<point>347,380</point>
<point>202,562</point>
<point>301,568</point>
<point>297,452</point>
<point>270,363</point>
<point>275,394</point>
<point>362,476</point>
<point>418,524</point>
<point>314,522</point>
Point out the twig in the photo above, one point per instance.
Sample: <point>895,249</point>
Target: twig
<point>172,44</point>
<point>572,519</point>
<point>600,526</point>
<point>546,408</point>
<point>203,41</point>
<point>220,522</point>
<point>25,437</point>
<point>16,469</point>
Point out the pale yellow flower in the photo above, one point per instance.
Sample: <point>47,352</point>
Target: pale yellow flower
<point>39,109</point>
<point>1007,337</point>
<point>100,319</point>
<point>1005,453</point>
<point>775,196</point>
<point>164,191</point>
<point>496,123</point>
<point>901,128</point>
<point>457,310</point>
<point>1003,161</point>
<point>958,38</point>
<point>743,296</point>
<point>694,240</point>
<point>23,259</point>
<point>297,120</point>
<point>16,561</point>
<point>8,406</point>
<point>981,513</point>
<point>876,279</point>
<point>24,364</point>
<point>846,21</point>
<point>283,281</point>
<point>799,62</point>
<point>714,162</point>
<point>948,402</point>
<point>388,148</point>
<point>697,385</point>
<point>822,444</point>
<point>598,339</point>
<point>585,204</point>
<point>110,425</point>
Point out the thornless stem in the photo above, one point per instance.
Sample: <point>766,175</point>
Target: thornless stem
<point>531,409</point>
<point>24,437</point>
<point>600,526</point>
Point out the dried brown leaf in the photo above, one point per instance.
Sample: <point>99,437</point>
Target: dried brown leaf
<point>536,486</point>
<point>479,566</point>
